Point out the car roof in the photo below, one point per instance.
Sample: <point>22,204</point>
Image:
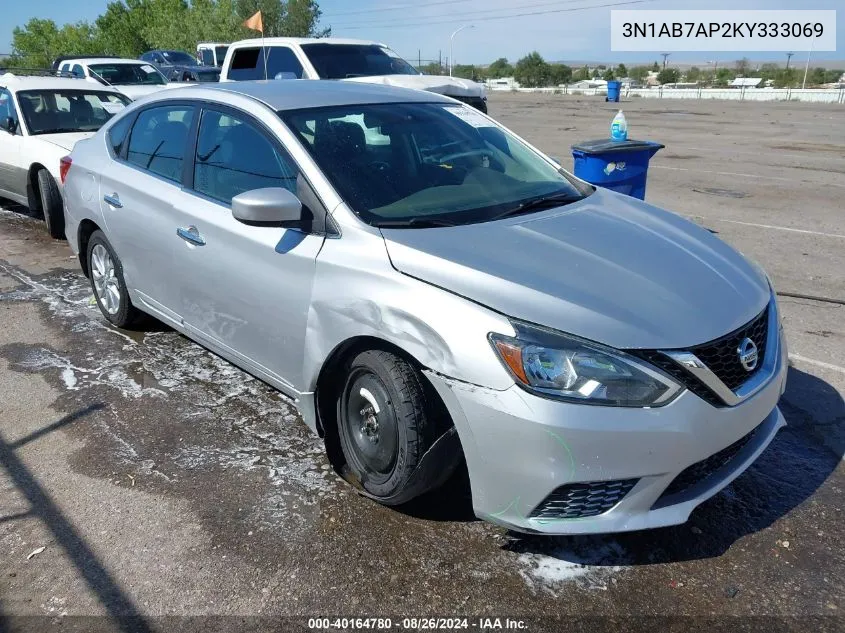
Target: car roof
<point>292,94</point>
<point>26,82</point>
<point>103,60</point>
<point>269,41</point>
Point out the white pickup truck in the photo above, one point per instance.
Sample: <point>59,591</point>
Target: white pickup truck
<point>336,58</point>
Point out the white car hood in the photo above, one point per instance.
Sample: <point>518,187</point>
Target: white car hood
<point>65,140</point>
<point>136,92</point>
<point>450,86</point>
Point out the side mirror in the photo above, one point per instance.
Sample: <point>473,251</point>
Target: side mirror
<point>9,124</point>
<point>273,206</point>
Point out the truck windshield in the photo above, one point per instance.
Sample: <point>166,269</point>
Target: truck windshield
<point>341,61</point>
<point>128,74</point>
<point>428,164</point>
<point>54,111</point>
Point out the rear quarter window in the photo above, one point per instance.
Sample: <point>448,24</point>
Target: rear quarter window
<point>117,135</point>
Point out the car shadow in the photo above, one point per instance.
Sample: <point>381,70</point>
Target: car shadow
<point>797,462</point>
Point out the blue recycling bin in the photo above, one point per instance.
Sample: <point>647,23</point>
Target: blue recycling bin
<point>613,90</point>
<point>618,165</point>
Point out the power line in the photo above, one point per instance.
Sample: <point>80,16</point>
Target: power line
<point>501,17</point>
<point>544,3</point>
<point>395,7</point>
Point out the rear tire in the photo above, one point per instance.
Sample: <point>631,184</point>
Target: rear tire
<point>385,424</point>
<point>106,274</point>
<point>52,205</point>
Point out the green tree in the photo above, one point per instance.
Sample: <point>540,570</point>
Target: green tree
<point>743,66</point>
<point>621,71</point>
<point>500,68</point>
<point>816,76</point>
<point>532,71</point>
<point>129,27</point>
<point>668,76</point>
<point>724,76</point>
<point>582,74</point>
<point>559,74</point>
<point>639,73</point>
<point>465,71</point>
<point>694,74</point>
<point>432,68</point>
<point>786,78</point>
<point>655,67</point>
<point>608,75</point>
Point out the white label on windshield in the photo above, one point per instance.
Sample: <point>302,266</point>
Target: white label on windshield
<point>469,115</point>
<point>148,69</point>
<point>112,108</point>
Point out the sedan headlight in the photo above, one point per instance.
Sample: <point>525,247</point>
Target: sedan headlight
<point>556,365</point>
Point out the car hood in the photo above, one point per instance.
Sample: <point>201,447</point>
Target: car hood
<point>136,92</point>
<point>65,140</point>
<point>450,86</point>
<point>608,268</point>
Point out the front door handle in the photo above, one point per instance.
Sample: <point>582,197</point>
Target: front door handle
<point>191,234</point>
<point>113,200</point>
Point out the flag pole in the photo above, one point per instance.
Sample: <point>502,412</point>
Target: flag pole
<point>264,52</point>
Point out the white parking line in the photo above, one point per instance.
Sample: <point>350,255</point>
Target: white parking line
<point>735,174</point>
<point>817,363</point>
<point>769,226</point>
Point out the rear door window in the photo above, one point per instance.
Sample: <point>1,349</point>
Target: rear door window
<point>158,140</point>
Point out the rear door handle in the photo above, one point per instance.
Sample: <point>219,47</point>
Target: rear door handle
<point>191,234</point>
<point>113,200</point>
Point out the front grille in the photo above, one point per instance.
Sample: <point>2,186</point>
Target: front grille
<point>682,376</point>
<point>720,356</point>
<point>700,471</point>
<point>575,501</point>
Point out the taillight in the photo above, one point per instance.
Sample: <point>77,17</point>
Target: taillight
<point>64,167</point>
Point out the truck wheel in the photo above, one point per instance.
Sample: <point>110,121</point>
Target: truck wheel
<point>52,205</point>
<point>385,425</point>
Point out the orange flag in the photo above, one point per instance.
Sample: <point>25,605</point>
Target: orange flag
<point>255,23</point>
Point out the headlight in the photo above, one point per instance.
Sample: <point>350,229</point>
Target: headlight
<point>555,365</point>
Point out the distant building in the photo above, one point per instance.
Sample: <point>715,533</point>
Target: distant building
<point>586,84</point>
<point>503,83</point>
<point>746,82</point>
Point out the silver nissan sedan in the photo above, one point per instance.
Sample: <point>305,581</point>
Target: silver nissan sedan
<point>430,289</point>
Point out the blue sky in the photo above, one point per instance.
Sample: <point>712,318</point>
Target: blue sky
<point>574,35</point>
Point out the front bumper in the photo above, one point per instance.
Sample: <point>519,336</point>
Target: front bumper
<point>520,448</point>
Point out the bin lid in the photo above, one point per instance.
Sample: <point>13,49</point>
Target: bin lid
<point>606,145</point>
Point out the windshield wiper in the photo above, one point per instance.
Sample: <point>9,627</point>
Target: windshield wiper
<point>543,202</point>
<point>421,223</point>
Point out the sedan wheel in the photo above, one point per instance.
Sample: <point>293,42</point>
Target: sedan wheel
<point>106,274</point>
<point>385,426</point>
<point>105,283</point>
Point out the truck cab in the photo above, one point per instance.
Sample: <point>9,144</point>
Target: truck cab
<point>339,59</point>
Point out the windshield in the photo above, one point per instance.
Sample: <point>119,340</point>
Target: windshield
<point>341,61</point>
<point>425,163</point>
<point>220,53</point>
<point>128,74</point>
<point>52,111</point>
<point>178,58</point>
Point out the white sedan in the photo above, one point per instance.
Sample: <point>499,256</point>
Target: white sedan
<point>41,119</point>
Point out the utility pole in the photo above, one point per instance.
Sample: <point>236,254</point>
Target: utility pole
<point>665,58</point>
<point>807,67</point>
<point>788,58</point>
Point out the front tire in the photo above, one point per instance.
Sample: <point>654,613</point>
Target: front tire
<point>51,205</point>
<point>106,275</point>
<point>385,424</point>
